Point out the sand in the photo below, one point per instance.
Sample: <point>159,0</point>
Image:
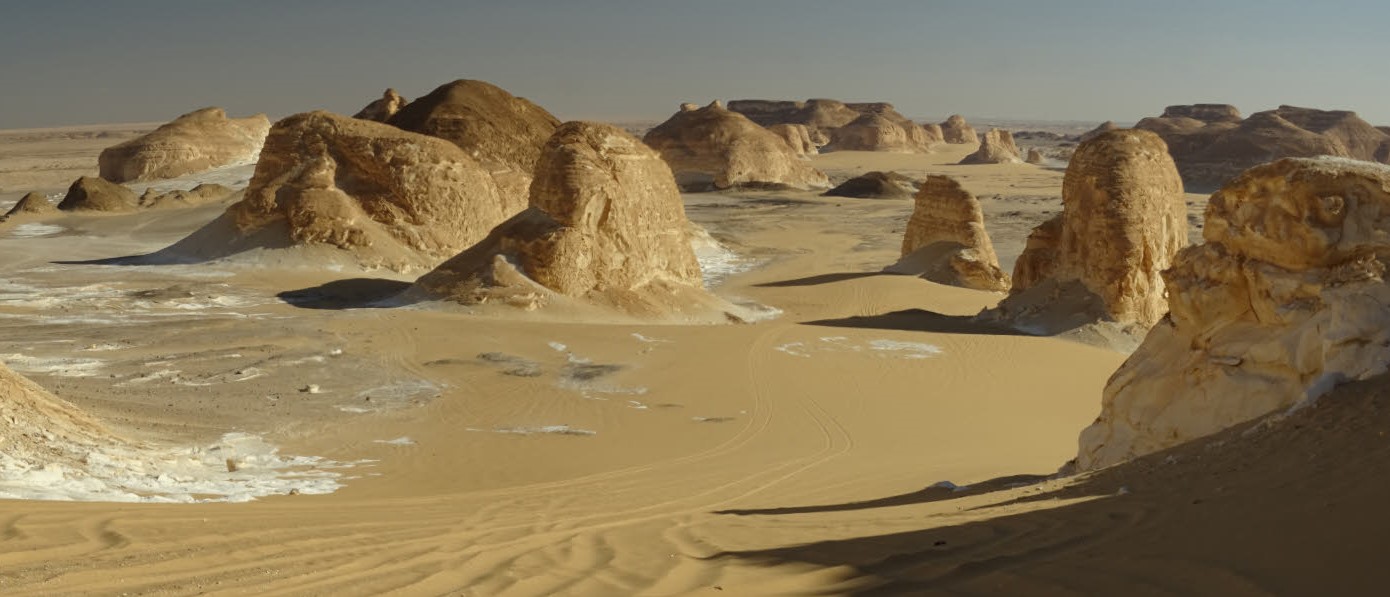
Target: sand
<point>814,452</point>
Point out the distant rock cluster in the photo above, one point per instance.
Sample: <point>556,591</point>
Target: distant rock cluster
<point>716,148</point>
<point>836,125</point>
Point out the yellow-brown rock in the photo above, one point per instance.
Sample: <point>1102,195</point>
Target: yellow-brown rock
<point>192,143</point>
<point>1286,299</point>
<point>797,136</point>
<point>996,147</point>
<point>715,148</point>
<point>956,131</point>
<point>493,127</point>
<point>96,194</point>
<point>879,132</point>
<point>32,204</point>
<point>381,110</point>
<point>1034,156</point>
<point>946,242</point>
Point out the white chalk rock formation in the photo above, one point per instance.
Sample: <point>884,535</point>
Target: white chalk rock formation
<point>946,242</point>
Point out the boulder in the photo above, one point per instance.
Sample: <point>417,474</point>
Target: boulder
<point>716,148</point>
<point>946,242</point>
<point>1284,300</point>
<point>96,194</point>
<point>797,136</point>
<point>192,143</point>
<point>996,147</point>
<point>1123,219</point>
<point>956,131</point>
<point>606,226</point>
<point>875,185</point>
<point>386,197</point>
<point>381,110</point>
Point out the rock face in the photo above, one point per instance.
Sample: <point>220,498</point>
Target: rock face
<point>1285,299</point>
<point>383,109</point>
<point>996,147</point>
<point>32,204</point>
<point>797,136</point>
<point>192,143</point>
<point>391,198</point>
<point>1034,156</point>
<point>606,226</point>
<point>1104,127</point>
<point>955,130</point>
<point>43,430</point>
<point>1123,219</point>
<point>877,131</point>
<point>716,148</point>
<point>1211,143</point>
<point>96,194</point>
<point>495,128</point>
<point>946,242</point>
<point>823,117</point>
<point>874,185</point>
<point>934,133</point>
<point>199,195</point>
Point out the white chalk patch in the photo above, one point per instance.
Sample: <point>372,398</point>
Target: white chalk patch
<point>911,350</point>
<point>547,429</point>
<point>796,349</point>
<point>557,347</point>
<point>400,441</point>
<point>649,340</point>
<point>35,230</point>
<point>56,366</point>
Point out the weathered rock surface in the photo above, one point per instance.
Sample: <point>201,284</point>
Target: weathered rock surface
<point>1123,219</point>
<point>1104,127</point>
<point>946,242</point>
<point>797,136</point>
<point>1212,144</point>
<point>934,133</point>
<point>715,148</point>
<point>606,226</point>
<point>96,194</point>
<point>32,204</point>
<point>877,131</point>
<point>381,110</point>
<point>996,147</point>
<point>875,185</point>
<point>495,128</point>
<point>199,195</point>
<point>955,130</point>
<point>1285,299</point>
<point>41,430</point>
<point>194,142</point>
<point>389,198</point>
<point>822,117</point>
<point>1034,156</point>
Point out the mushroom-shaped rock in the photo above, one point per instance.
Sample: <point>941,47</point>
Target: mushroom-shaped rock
<point>97,194</point>
<point>191,143</point>
<point>874,185</point>
<point>32,204</point>
<point>1285,299</point>
<point>1123,219</point>
<point>956,131</point>
<point>946,242</point>
<point>381,110</point>
<point>997,147</point>
<point>717,148</point>
<point>797,136</point>
<point>876,131</point>
<point>386,197</point>
<point>606,226</point>
<point>499,130</point>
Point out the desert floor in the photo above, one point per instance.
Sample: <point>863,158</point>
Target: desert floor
<point>479,454</point>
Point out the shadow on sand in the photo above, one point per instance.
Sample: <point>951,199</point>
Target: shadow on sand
<point>921,320</point>
<point>821,279</point>
<point>353,293</point>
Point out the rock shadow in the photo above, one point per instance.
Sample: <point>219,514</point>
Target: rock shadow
<point>922,320</point>
<point>353,293</point>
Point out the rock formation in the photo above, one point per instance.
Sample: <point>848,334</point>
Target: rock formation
<point>946,242</point>
<point>1104,127</point>
<point>876,131</point>
<point>956,131</point>
<point>192,143</point>
<point>1285,299</point>
<point>716,148</point>
<point>1211,143</point>
<point>1123,219</point>
<point>42,431</point>
<point>1034,156</point>
<point>32,204</point>
<point>822,117</point>
<point>199,195</point>
<point>996,147</point>
<point>383,109</point>
<point>389,198</point>
<point>605,226</point>
<point>495,128</point>
<point>797,136</point>
<point>874,185</point>
<point>96,194</point>
<point>934,133</point>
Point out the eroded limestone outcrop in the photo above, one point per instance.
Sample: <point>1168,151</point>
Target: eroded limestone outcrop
<point>946,242</point>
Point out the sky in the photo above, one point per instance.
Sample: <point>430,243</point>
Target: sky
<point>68,62</point>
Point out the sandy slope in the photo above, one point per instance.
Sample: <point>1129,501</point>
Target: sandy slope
<point>788,456</point>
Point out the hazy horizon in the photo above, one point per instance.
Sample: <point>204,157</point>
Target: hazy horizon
<point>70,63</point>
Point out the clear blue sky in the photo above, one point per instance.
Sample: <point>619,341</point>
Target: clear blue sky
<point>69,62</point>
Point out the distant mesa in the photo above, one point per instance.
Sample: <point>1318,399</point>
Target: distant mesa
<point>95,194</point>
<point>606,227</point>
<point>381,110</point>
<point>1285,300</point>
<point>1104,127</point>
<point>836,125</point>
<point>1123,219</point>
<point>946,242</point>
<point>1211,143</point>
<point>797,136</point>
<point>32,204</point>
<point>715,148</point>
<point>996,147</point>
<point>377,195</point>
<point>956,131</point>
<point>875,185</point>
<point>192,143</point>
